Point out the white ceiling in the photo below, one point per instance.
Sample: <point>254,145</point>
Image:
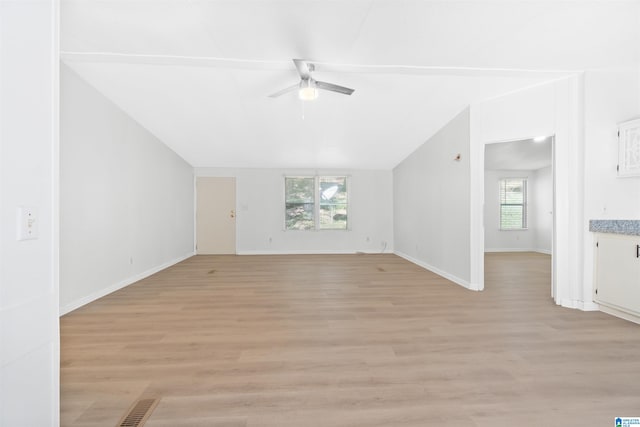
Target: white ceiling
<point>522,155</point>
<point>197,73</point>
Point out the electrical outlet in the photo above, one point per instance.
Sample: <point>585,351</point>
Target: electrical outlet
<point>27,223</point>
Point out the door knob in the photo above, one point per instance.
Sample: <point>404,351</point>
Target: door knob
<point>232,214</point>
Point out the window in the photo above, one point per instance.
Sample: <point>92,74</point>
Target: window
<point>513,203</point>
<point>300,203</point>
<point>316,203</point>
<point>333,202</point>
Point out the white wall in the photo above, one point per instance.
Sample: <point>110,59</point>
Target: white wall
<point>586,110</point>
<point>431,203</point>
<point>551,109</point>
<point>260,213</point>
<point>611,96</point>
<point>537,236</point>
<point>542,209</point>
<point>29,337</point>
<point>126,199</point>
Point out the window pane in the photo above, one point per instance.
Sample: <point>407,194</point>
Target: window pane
<point>333,202</point>
<point>510,217</point>
<point>299,203</point>
<point>299,189</point>
<point>512,191</point>
<point>513,203</point>
<point>299,216</point>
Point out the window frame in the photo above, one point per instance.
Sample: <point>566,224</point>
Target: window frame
<point>524,223</point>
<point>317,202</point>
<point>313,202</point>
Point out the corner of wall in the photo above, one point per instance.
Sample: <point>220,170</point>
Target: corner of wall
<point>452,278</point>
<point>423,233</point>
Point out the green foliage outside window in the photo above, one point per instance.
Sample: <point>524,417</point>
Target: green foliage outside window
<point>316,203</point>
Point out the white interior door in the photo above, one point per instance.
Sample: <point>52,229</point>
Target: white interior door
<point>215,215</point>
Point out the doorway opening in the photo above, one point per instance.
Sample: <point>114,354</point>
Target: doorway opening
<point>519,213</point>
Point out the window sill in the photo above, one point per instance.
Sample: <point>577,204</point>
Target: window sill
<point>321,230</point>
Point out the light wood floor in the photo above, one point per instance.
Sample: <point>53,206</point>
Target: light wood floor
<point>346,340</point>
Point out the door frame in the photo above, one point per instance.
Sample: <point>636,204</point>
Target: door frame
<point>195,209</point>
<point>550,108</point>
<point>553,206</point>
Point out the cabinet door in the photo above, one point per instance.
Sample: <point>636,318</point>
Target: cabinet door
<point>629,148</point>
<point>618,272</point>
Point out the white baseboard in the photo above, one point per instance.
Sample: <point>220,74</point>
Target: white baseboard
<point>117,286</point>
<point>619,313</point>
<point>448,276</point>
<point>495,250</point>
<point>590,306</point>
<point>580,305</point>
<point>307,252</point>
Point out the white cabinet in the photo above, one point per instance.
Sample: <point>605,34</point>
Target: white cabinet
<point>629,148</point>
<point>617,274</point>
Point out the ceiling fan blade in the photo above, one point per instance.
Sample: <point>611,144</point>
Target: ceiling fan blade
<point>334,88</point>
<point>285,90</point>
<point>303,68</point>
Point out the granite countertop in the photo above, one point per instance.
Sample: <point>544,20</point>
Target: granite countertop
<point>630,227</point>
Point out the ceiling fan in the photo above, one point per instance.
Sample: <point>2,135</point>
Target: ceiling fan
<point>308,87</point>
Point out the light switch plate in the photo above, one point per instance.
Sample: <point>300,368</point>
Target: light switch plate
<point>27,223</point>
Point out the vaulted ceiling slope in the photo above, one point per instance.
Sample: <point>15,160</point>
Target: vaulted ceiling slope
<point>198,73</point>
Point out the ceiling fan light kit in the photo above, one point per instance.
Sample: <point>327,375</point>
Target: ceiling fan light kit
<point>308,88</point>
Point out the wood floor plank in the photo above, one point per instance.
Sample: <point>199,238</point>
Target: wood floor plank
<point>346,340</point>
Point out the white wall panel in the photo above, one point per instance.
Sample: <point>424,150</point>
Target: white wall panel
<point>126,199</point>
<point>260,213</point>
<point>431,203</point>
<point>29,336</point>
